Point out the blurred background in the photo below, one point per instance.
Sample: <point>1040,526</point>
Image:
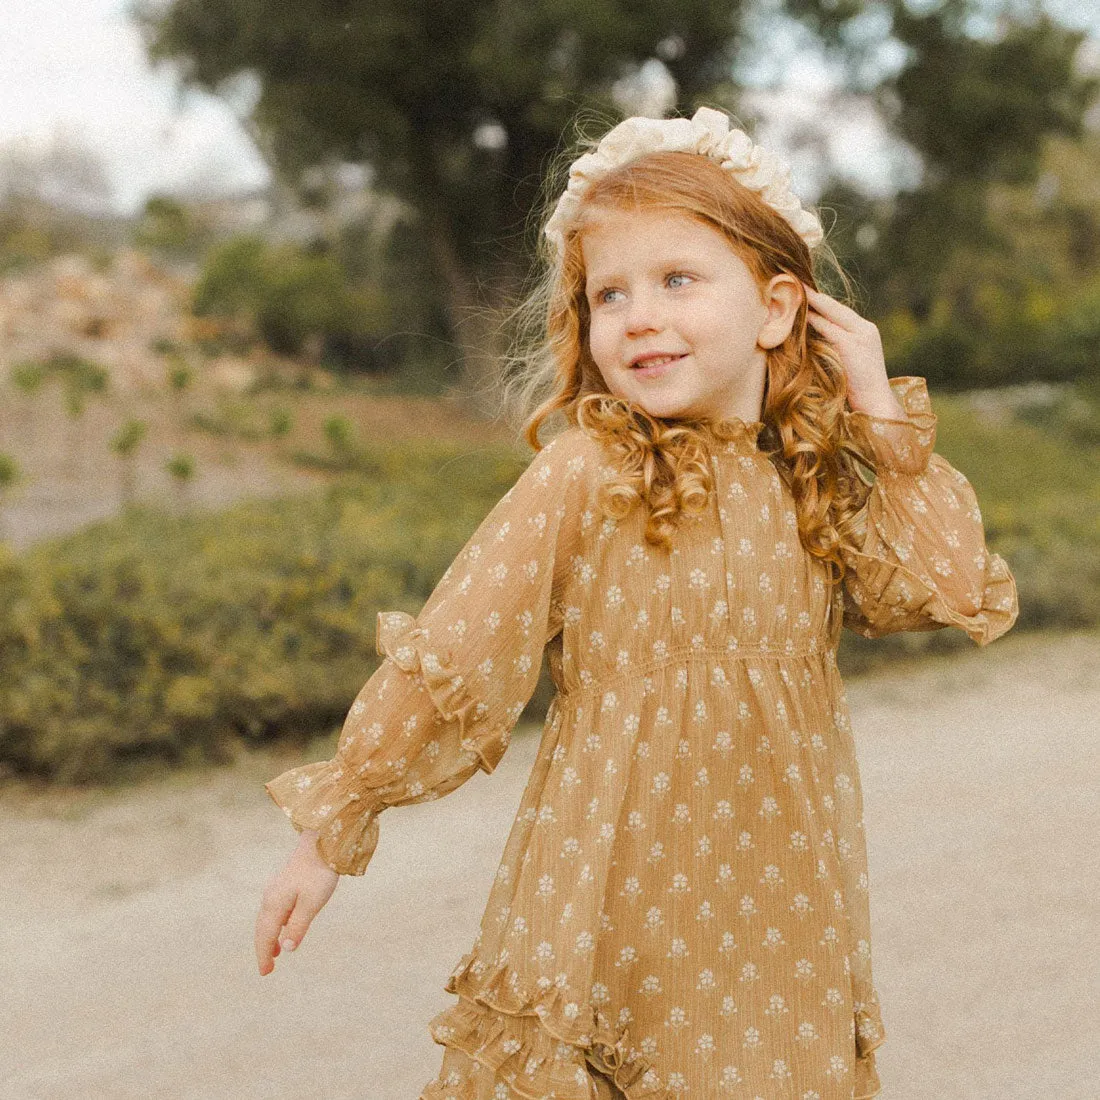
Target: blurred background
<point>253,258</point>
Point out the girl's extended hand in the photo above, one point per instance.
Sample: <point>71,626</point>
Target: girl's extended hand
<point>292,898</point>
<point>858,346</point>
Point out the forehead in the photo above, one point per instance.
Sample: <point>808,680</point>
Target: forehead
<point>611,239</point>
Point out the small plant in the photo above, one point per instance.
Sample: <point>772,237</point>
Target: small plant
<point>79,377</point>
<point>179,377</point>
<point>28,377</point>
<point>281,423</point>
<point>125,443</point>
<point>9,475</point>
<point>340,437</point>
<point>181,467</point>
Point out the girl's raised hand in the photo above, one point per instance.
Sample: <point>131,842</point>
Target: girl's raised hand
<point>858,346</point>
<point>291,899</point>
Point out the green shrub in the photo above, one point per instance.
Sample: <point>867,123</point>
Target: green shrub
<point>289,296</point>
<point>172,638</point>
<point>164,637</point>
<point>1016,338</point>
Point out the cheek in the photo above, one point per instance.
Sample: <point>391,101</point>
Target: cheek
<point>599,342</point>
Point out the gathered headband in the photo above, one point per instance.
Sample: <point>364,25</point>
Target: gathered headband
<point>708,133</point>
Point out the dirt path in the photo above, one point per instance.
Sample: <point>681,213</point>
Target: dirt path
<point>127,966</point>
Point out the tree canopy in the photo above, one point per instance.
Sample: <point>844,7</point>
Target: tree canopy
<point>460,109</point>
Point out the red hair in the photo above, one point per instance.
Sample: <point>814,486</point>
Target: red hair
<point>663,462</point>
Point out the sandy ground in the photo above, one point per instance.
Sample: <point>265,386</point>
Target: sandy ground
<point>127,965</point>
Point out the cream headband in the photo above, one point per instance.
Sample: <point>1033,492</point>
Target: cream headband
<point>707,132</point>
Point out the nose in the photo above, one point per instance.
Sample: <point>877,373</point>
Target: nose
<point>643,313</point>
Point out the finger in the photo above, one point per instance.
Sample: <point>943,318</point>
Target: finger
<point>298,924</point>
<point>829,329</point>
<point>274,911</point>
<point>836,311</point>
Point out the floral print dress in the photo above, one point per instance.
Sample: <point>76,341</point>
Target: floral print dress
<point>681,910</point>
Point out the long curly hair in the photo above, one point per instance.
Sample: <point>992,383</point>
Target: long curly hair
<point>662,463</point>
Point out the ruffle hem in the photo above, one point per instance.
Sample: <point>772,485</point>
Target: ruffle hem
<point>541,1045</point>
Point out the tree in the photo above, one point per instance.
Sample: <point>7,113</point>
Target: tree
<point>457,106</point>
<point>459,109</point>
<point>977,103</point>
<point>978,112</point>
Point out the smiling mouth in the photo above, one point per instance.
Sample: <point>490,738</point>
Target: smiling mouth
<point>662,361</point>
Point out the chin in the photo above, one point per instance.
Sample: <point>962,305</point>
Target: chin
<point>664,410</point>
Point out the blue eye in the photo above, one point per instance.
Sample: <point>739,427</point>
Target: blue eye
<point>601,295</point>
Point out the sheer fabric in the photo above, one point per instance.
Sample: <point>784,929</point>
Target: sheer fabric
<point>681,909</point>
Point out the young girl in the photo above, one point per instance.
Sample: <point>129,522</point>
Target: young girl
<point>682,905</point>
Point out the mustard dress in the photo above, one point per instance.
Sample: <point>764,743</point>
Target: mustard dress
<point>681,910</point>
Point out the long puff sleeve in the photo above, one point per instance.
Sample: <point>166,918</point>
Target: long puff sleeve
<point>923,564</point>
<point>455,679</point>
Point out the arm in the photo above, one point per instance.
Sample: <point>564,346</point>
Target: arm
<point>456,678</point>
<point>923,563</point>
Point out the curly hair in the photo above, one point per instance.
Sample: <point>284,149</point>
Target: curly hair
<point>804,428</point>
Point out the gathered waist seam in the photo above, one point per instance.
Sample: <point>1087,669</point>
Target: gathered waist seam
<point>694,653</point>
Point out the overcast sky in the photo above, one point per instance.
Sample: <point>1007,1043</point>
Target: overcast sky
<point>80,64</point>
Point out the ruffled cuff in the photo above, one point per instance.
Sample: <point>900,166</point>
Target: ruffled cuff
<point>886,590</point>
<point>323,797</point>
<point>902,445</point>
<point>341,798</point>
<point>409,646</point>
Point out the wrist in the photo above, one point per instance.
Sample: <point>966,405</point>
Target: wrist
<point>884,405</point>
<point>308,850</point>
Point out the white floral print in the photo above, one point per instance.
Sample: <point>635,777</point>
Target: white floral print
<point>682,907</point>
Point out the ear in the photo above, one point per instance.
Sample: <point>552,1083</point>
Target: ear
<point>782,297</point>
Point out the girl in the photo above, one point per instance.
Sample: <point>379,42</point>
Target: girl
<point>682,904</point>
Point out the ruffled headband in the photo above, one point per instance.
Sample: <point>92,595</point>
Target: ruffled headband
<point>708,133</point>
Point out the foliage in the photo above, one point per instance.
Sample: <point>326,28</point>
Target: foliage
<point>172,638</point>
<point>178,373</point>
<point>280,422</point>
<point>1001,333</point>
<point>169,637</point>
<point>460,109</point>
<point>28,377</point>
<point>127,439</point>
<point>168,226</point>
<point>181,467</point>
<point>9,470</point>
<point>288,296</point>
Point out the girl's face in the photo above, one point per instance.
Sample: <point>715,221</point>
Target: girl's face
<point>660,283</point>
